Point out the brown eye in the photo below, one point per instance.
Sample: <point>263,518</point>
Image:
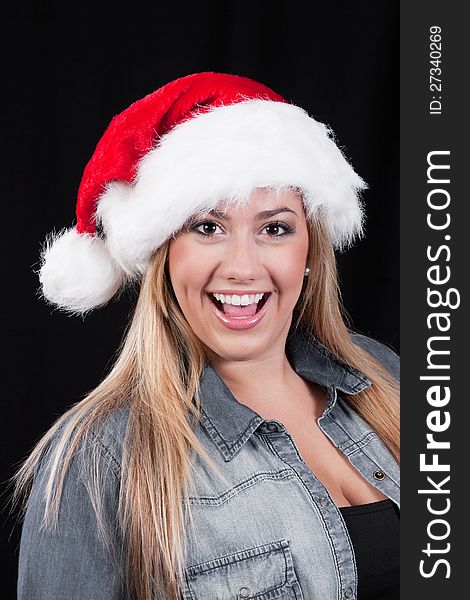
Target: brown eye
<point>275,227</point>
<point>208,228</point>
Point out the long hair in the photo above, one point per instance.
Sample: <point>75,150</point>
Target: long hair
<point>157,375</point>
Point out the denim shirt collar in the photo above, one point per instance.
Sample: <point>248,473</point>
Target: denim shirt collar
<point>230,423</point>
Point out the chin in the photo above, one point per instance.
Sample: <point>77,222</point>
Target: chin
<point>242,351</point>
<point>241,345</point>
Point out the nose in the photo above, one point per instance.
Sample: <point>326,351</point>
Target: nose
<point>242,260</point>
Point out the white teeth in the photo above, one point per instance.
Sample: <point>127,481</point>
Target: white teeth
<point>239,300</point>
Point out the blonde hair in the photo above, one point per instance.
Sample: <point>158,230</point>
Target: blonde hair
<point>157,375</point>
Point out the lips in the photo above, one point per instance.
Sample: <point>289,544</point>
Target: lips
<point>244,322</point>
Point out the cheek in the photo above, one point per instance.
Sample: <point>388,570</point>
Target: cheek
<point>288,268</point>
<point>187,268</point>
<point>289,283</point>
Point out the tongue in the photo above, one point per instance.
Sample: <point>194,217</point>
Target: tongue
<point>240,311</point>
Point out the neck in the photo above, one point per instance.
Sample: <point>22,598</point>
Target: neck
<point>271,387</point>
<point>260,373</point>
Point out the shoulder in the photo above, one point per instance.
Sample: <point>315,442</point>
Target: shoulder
<point>381,351</point>
<point>104,439</point>
<point>110,432</point>
<point>71,535</point>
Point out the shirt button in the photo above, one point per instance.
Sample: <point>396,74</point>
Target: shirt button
<point>243,592</point>
<point>348,592</point>
<point>379,475</point>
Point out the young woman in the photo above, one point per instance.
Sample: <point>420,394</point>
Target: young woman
<point>246,442</point>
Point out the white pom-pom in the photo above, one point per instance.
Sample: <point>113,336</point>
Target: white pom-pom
<point>77,272</point>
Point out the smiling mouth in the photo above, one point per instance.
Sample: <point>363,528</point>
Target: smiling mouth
<point>259,306</point>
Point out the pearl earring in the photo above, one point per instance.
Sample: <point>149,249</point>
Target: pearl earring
<point>307,271</point>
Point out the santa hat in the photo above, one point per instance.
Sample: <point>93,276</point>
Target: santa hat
<point>182,149</point>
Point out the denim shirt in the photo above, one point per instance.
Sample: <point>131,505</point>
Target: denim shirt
<point>273,532</point>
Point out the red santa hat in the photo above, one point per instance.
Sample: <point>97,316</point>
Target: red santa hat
<point>182,149</point>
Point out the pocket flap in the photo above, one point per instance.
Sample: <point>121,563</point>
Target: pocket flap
<point>264,572</point>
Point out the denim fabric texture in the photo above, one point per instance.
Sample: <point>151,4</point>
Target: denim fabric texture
<point>273,533</point>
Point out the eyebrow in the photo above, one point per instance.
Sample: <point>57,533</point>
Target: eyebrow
<point>265,214</point>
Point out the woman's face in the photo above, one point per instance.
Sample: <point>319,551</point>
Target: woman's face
<point>243,253</point>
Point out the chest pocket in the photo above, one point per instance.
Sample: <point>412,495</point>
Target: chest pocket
<point>262,573</point>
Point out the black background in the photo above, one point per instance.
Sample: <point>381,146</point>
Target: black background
<point>69,68</point>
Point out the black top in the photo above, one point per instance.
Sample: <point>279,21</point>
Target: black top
<point>374,530</point>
